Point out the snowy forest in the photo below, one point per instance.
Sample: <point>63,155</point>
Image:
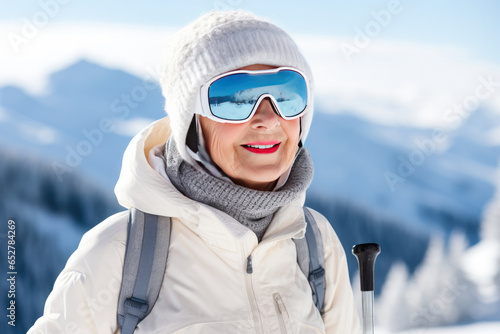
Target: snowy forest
<point>439,230</point>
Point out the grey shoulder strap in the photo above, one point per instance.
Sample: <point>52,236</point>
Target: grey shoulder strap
<point>145,261</point>
<point>311,259</point>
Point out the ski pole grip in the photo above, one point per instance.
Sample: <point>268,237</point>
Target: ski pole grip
<point>366,255</point>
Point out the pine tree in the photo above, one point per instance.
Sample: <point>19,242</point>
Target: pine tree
<point>423,305</point>
<point>462,292</point>
<point>391,309</point>
<point>490,234</point>
<point>440,293</point>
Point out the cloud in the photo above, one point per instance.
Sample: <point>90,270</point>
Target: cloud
<point>130,128</point>
<point>136,49</point>
<point>393,82</point>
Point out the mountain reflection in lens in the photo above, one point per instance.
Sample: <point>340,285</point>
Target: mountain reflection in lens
<point>233,97</point>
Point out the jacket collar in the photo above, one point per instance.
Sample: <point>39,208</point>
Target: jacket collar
<point>143,187</point>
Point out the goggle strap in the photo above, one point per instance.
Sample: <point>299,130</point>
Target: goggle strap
<point>192,136</point>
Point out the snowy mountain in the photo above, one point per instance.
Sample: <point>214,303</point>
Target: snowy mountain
<point>453,284</point>
<point>376,166</point>
<point>50,218</point>
<point>88,113</point>
<point>83,121</point>
<point>61,151</point>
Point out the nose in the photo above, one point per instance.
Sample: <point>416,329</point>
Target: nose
<point>265,118</point>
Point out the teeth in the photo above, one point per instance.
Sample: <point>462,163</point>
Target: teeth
<point>261,147</point>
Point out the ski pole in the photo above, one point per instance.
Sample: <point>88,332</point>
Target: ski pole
<point>366,255</point>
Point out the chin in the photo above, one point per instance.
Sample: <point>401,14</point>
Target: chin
<point>263,177</point>
<point>257,176</point>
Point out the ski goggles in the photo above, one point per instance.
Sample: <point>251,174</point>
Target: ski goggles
<point>234,97</point>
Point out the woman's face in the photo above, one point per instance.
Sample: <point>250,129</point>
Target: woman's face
<point>241,150</point>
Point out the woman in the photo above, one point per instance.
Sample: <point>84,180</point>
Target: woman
<point>229,168</point>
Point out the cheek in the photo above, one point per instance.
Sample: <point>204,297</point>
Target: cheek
<point>219,149</point>
<point>292,130</point>
<point>222,143</point>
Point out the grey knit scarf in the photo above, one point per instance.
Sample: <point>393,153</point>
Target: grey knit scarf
<point>252,208</point>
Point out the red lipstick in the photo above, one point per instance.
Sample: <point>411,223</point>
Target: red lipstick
<point>266,147</point>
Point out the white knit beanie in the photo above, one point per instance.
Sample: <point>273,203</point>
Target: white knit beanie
<point>215,43</point>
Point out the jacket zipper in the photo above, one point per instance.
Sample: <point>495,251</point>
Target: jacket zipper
<point>281,313</point>
<point>251,295</point>
<point>249,265</point>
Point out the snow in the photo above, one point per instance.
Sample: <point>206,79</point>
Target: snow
<point>352,157</point>
<point>448,189</point>
<point>477,328</point>
<point>482,264</point>
<point>51,217</point>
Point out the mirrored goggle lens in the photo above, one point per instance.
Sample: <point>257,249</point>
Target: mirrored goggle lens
<point>233,97</point>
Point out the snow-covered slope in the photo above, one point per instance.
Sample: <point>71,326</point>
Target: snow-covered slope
<point>478,328</point>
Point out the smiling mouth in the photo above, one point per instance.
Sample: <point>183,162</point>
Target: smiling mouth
<point>262,148</point>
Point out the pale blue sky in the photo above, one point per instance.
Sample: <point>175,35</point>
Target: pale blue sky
<point>471,25</point>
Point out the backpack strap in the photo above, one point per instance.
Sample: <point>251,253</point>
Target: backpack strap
<point>148,239</point>
<point>311,259</point>
<point>145,261</point>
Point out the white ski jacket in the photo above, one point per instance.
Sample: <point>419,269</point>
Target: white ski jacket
<point>206,288</point>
